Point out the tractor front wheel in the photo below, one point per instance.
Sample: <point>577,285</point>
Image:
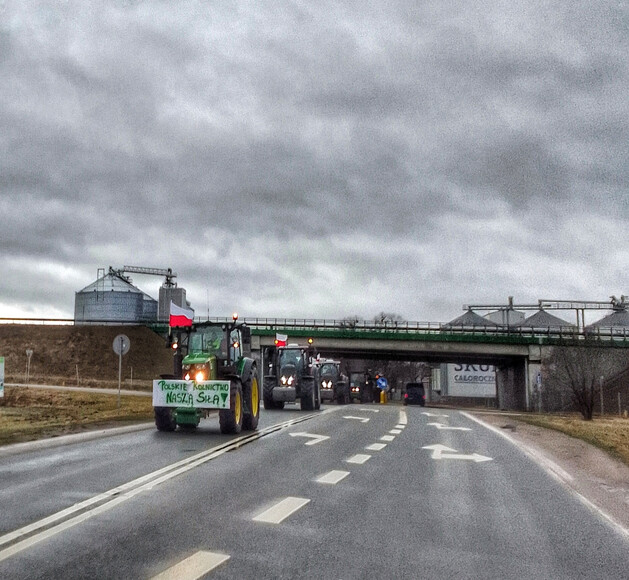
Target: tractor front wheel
<point>252,400</point>
<point>165,419</point>
<point>230,419</point>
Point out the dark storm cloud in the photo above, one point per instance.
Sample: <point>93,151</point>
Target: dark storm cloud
<point>316,158</point>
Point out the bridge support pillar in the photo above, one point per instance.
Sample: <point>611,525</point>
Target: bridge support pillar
<point>512,387</point>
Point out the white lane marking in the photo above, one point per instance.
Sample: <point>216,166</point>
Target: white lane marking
<point>359,458</point>
<point>403,419</point>
<point>434,415</point>
<point>193,567</point>
<point>314,438</point>
<point>557,473</point>
<point>395,431</point>
<point>387,438</point>
<point>361,419</point>
<point>443,452</point>
<point>280,511</point>
<point>400,426</point>
<point>119,494</point>
<point>376,446</point>
<point>368,410</point>
<point>333,477</point>
<point>551,467</point>
<point>447,428</point>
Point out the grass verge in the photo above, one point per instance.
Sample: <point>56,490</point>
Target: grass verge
<point>29,414</point>
<point>609,434</point>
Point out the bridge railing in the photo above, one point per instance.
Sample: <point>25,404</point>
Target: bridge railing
<point>620,334</point>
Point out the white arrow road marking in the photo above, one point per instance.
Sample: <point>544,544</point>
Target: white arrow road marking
<point>443,452</point>
<point>376,447</point>
<point>434,415</point>
<point>315,438</point>
<point>361,409</point>
<point>387,438</point>
<point>333,477</point>
<point>280,511</point>
<point>446,428</point>
<point>193,567</point>
<point>362,419</point>
<point>358,458</point>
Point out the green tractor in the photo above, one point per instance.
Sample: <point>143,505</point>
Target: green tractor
<point>213,361</point>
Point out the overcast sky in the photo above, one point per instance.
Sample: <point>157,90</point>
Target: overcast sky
<point>313,158</point>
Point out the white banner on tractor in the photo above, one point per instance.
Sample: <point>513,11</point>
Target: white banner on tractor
<point>192,394</point>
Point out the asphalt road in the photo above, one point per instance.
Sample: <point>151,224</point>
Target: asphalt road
<point>325,497</point>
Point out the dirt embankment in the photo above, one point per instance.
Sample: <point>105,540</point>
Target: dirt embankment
<point>58,351</point>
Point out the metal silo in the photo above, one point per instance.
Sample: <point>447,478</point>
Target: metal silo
<point>112,298</point>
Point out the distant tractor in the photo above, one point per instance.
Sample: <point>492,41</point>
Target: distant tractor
<point>290,377</point>
<point>216,372</point>
<point>332,382</point>
<point>361,386</point>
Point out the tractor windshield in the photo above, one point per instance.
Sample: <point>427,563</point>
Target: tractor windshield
<point>210,339</point>
<point>328,369</point>
<point>291,356</point>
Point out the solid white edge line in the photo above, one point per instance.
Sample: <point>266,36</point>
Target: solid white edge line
<point>556,473</point>
<point>280,511</point>
<point>125,491</point>
<point>333,477</point>
<point>192,568</point>
<point>359,458</point>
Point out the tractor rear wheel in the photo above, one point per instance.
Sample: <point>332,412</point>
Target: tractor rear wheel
<point>165,419</point>
<point>230,419</point>
<point>252,402</point>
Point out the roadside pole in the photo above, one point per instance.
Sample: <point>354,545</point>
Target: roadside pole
<point>121,347</point>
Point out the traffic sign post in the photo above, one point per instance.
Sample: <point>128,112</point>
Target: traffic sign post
<point>121,347</point>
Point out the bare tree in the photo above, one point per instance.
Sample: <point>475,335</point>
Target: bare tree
<point>581,371</point>
<point>350,322</point>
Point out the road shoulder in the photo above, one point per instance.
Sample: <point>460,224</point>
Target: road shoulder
<point>595,476</point>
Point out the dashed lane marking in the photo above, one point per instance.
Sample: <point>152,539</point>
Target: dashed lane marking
<point>400,426</point>
<point>333,477</point>
<point>403,419</point>
<point>387,438</point>
<point>193,567</point>
<point>395,431</point>
<point>280,511</point>
<point>376,447</point>
<point>359,458</point>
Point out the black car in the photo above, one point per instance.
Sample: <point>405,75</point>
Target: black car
<point>414,394</point>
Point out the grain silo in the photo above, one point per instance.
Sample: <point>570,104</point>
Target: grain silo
<point>112,298</point>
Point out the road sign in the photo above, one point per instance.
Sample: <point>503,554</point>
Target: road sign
<point>382,383</point>
<point>121,344</point>
<point>538,380</point>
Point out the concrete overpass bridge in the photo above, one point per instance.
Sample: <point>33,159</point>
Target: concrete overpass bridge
<point>517,353</point>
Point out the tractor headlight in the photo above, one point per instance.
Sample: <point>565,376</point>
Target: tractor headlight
<point>287,380</point>
<point>199,376</point>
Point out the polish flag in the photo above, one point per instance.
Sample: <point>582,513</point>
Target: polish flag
<point>280,339</point>
<point>180,316</point>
